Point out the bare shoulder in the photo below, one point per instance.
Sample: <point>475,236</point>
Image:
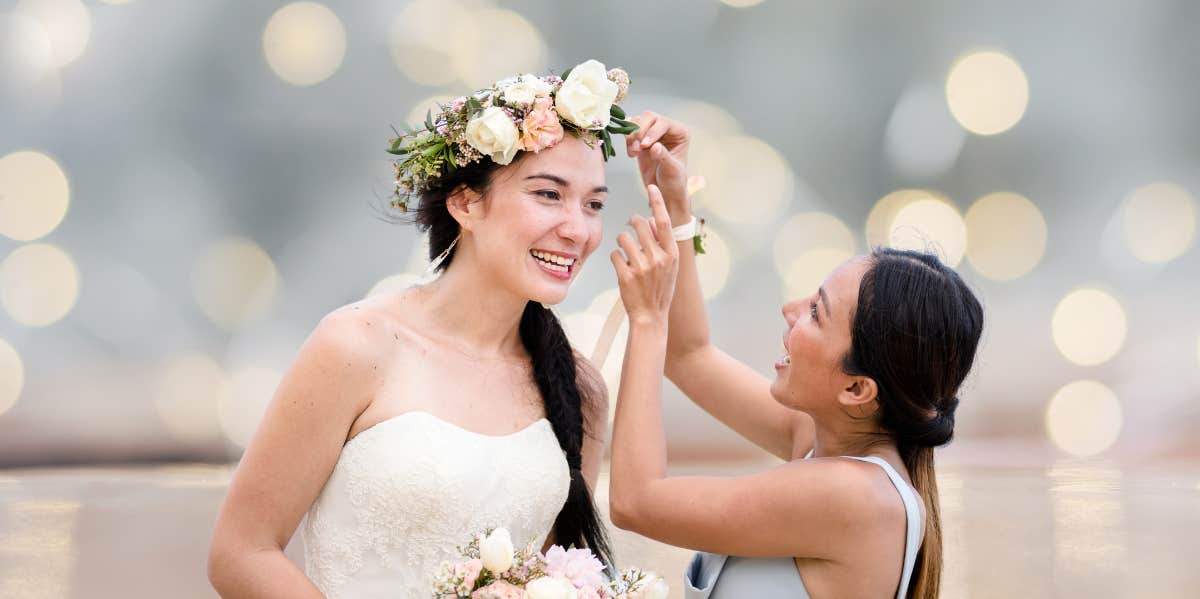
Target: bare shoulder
<point>863,491</point>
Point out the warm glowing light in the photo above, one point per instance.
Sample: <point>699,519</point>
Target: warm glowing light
<point>1084,418</point>
<point>234,282</point>
<point>67,23</point>
<point>713,267</point>
<point>741,3</point>
<point>930,225</point>
<point>987,92</point>
<point>1088,326</point>
<point>39,284</point>
<point>808,231</point>
<point>250,390</point>
<point>394,283</point>
<point>751,186</point>
<point>430,105</point>
<point>304,43</point>
<point>422,37</point>
<point>922,139</point>
<point>26,59</point>
<point>34,195</point>
<point>808,271</point>
<point>1159,222</point>
<point>503,43</point>
<point>12,376</point>
<point>1007,236</point>
<point>879,220</point>
<point>190,389</point>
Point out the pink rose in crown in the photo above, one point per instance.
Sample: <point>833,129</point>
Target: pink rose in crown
<point>577,565</point>
<point>499,590</point>
<point>541,126</point>
<point>469,570</point>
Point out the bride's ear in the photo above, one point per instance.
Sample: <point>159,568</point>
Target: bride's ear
<point>464,206</point>
<point>859,397</point>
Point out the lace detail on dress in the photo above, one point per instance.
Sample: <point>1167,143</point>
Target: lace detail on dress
<point>409,490</point>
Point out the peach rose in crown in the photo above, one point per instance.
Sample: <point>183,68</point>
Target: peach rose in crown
<point>541,126</point>
<point>499,590</point>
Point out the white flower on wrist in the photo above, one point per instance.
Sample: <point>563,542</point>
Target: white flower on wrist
<point>586,96</point>
<point>494,134</point>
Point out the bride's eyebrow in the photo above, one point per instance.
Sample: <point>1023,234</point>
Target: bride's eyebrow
<point>564,182</point>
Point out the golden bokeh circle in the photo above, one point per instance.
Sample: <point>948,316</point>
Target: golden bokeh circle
<point>422,38</point>
<point>1006,236</point>
<point>304,43</point>
<point>67,23</point>
<point>1159,222</point>
<point>12,376</point>
<point>242,408</point>
<point>190,388</point>
<point>34,195</point>
<point>234,282</point>
<point>879,220</point>
<point>808,231</point>
<point>987,92</point>
<point>1084,418</point>
<point>39,284</point>
<point>504,44</point>
<point>930,225</point>
<point>808,271</point>
<point>1088,326</point>
<point>752,185</point>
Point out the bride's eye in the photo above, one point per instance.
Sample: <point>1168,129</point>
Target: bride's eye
<point>812,309</point>
<point>596,205</point>
<point>549,194</point>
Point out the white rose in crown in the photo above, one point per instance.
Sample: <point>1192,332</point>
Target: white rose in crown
<point>496,551</point>
<point>526,90</point>
<point>551,587</point>
<point>586,96</point>
<point>494,134</point>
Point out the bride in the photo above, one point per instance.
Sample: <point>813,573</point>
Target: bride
<point>411,421</point>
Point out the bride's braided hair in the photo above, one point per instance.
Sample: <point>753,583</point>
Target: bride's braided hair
<point>565,388</point>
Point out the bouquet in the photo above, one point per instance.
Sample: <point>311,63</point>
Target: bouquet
<point>492,569</point>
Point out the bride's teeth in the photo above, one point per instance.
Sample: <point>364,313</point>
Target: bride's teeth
<point>553,259</point>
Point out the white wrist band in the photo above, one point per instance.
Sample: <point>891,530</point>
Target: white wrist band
<point>685,231</point>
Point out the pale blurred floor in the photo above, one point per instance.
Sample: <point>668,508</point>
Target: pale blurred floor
<point>1072,529</point>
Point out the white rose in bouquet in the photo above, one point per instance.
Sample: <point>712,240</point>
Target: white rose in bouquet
<point>586,96</point>
<point>551,587</point>
<point>496,551</point>
<point>494,134</point>
<point>656,589</point>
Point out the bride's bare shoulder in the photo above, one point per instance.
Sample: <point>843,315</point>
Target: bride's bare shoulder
<point>371,325</point>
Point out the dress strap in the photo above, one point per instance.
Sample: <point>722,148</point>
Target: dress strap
<point>912,512</point>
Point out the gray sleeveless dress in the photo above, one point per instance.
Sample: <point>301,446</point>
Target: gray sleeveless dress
<point>712,576</point>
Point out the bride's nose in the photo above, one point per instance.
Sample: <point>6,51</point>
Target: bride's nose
<point>791,313</point>
<point>573,226</point>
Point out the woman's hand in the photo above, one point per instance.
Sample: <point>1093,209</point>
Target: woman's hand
<point>655,130</point>
<point>646,271</point>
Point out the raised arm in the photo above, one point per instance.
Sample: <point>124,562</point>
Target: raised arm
<point>287,462</point>
<point>726,388</point>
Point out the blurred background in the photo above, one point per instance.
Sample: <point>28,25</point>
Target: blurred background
<point>186,188</point>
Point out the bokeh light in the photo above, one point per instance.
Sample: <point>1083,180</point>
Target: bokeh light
<point>752,185</point>
<point>879,221</point>
<point>504,43</point>
<point>808,270</point>
<point>12,376</point>
<point>304,43</point>
<point>190,388</point>
<point>430,105</point>
<point>1084,418</point>
<point>1006,236</point>
<point>234,281</point>
<point>26,54</point>
<point>1159,222</point>
<point>922,139</point>
<point>713,267</point>
<point>67,23</point>
<point>422,39</point>
<point>807,231</point>
<point>250,390</point>
<point>1088,326</point>
<point>39,284</point>
<point>987,92</point>
<point>930,225</point>
<point>741,3</point>
<point>394,283</point>
<point>34,195</point>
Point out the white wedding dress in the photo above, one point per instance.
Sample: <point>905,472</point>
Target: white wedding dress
<point>406,492</point>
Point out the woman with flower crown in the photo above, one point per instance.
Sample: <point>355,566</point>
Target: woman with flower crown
<point>413,420</point>
<point>866,389</point>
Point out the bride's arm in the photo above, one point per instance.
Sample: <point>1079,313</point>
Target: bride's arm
<point>288,461</point>
<point>723,386</point>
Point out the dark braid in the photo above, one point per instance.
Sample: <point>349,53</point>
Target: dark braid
<point>565,390</point>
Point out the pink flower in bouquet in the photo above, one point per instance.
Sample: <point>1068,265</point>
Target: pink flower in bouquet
<point>499,590</point>
<point>542,127</point>
<point>577,565</point>
<point>469,570</point>
<point>589,593</point>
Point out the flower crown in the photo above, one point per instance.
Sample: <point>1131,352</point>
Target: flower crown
<point>526,112</point>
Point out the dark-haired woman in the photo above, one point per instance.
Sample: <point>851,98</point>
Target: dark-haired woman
<point>865,390</point>
<point>411,421</point>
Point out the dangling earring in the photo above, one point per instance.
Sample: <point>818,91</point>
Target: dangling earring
<point>431,270</point>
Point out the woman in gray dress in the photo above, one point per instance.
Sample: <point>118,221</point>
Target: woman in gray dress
<point>866,389</point>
